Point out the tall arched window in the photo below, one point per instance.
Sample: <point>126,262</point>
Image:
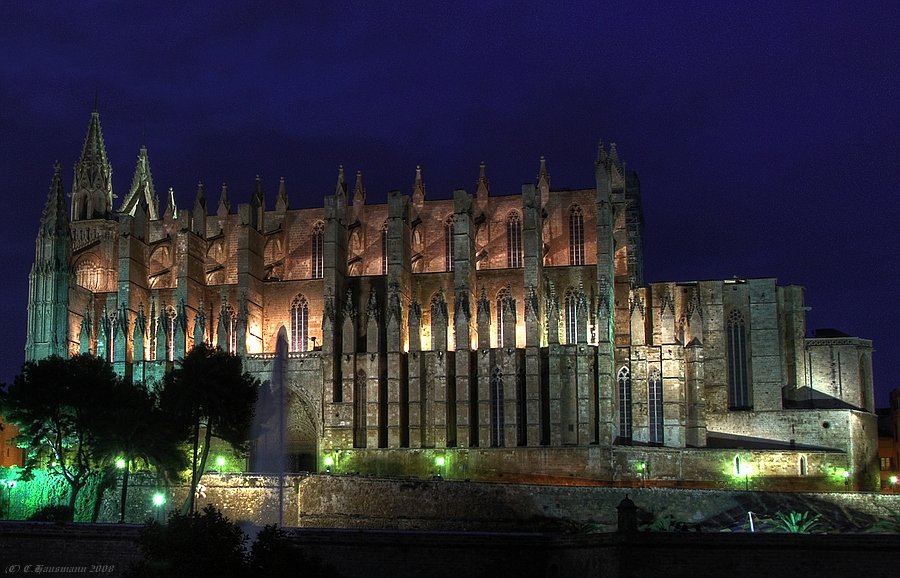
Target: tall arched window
<point>576,236</point>
<point>231,328</point>
<point>359,410</point>
<point>170,333</point>
<point>449,253</point>
<point>624,379</point>
<point>655,398</point>
<point>502,296</point>
<point>497,408</point>
<point>571,316</point>
<point>738,382</point>
<point>514,257</point>
<point>299,324</point>
<point>384,250</point>
<point>318,250</point>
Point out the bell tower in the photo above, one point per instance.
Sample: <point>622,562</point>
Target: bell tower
<point>48,283</point>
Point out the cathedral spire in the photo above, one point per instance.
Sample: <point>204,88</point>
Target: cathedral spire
<point>483,185</point>
<point>341,188</point>
<point>418,187</point>
<point>359,192</point>
<point>224,205</point>
<point>142,189</point>
<point>200,200</point>
<point>258,207</point>
<point>54,220</point>
<point>92,190</point>
<point>601,153</point>
<point>198,222</point>
<point>171,206</point>
<point>543,178</point>
<point>281,203</point>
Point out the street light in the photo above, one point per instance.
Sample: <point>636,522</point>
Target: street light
<point>894,480</point>
<point>329,461</point>
<point>220,463</point>
<point>10,484</point>
<point>123,465</point>
<point>159,500</point>
<point>846,475</point>
<point>439,462</point>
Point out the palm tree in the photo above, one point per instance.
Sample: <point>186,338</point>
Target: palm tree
<point>208,390</point>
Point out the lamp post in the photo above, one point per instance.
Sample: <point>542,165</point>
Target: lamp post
<point>122,464</point>
<point>329,461</point>
<point>439,462</point>
<point>894,480</point>
<point>9,484</point>
<point>220,463</point>
<point>846,475</point>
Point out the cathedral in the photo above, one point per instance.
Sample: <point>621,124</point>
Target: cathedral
<point>505,337</point>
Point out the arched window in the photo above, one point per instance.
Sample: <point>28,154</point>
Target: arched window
<point>576,236</point>
<point>738,382</point>
<point>802,465</point>
<point>624,379</point>
<point>384,249</point>
<point>170,333</point>
<point>571,301</point>
<point>318,250</point>
<point>231,328</point>
<point>449,253</point>
<point>497,408</point>
<point>359,410</point>
<point>514,257</point>
<point>655,398</point>
<point>502,296</point>
<point>299,324</point>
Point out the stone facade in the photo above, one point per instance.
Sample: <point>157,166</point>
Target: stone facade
<point>518,322</point>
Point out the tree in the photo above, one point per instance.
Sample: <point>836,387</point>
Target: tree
<point>139,431</point>
<point>208,390</point>
<point>59,405</point>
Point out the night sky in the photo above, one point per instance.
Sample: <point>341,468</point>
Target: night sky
<point>764,133</point>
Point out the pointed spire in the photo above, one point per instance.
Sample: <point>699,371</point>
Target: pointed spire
<point>601,153</point>
<point>543,178</point>
<point>341,187</point>
<point>359,192</point>
<point>92,190</point>
<point>142,189</point>
<point>418,187</point>
<point>200,200</point>
<point>258,199</point>
<point>224,205</point>
<point>54,220</point>
<point>483,185</point>
<point>613,153</point>
<point>281,203</point>
<point>171,207</point>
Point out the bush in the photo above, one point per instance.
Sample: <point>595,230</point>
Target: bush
<point>59,514</point>
<point>209,544</point>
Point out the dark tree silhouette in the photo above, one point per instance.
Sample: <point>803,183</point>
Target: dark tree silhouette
<point>209,392</point>
<point>138,431</point>
<point>59,405</point>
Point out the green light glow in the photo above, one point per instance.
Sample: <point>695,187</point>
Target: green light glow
<point>894,479</point>
<point>329,461</point>
<point>159,499</point>
<point>845,473</point>
<point>120,463</point>
<point>439,461</point>
<point>220,461</point>
<point>641,466</point>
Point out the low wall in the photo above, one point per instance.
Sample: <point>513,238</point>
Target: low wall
<point>107,550</point>
<point>405,504</point>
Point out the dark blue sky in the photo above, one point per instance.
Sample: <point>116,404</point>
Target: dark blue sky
<point>764,133</point>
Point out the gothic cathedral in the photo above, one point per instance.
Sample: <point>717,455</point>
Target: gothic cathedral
<point>488,337</point>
